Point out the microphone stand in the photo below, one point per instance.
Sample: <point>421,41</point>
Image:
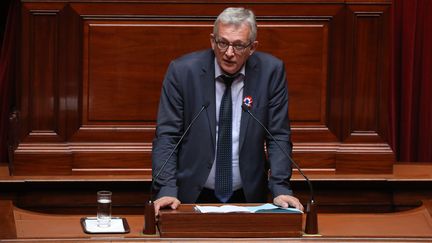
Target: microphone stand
<point>311,226</point>
<point>149,210</point>
<point>149,218</point>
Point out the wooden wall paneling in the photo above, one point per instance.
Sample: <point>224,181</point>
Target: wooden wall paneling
<point>42,160</point>
<point>312,49</point>
<point>364,160</point>
<point>125,160</point>
<point>368,80</point>
<point>43,85</point>
<point>303,47</point>
<point>40,93</point>
<point>97,89</point>
<point>336,73</point>
<point>315,146</point>
<point>70,71</point>
<point>365,137</point>
<point>39,86</point>
<point>125,63</point>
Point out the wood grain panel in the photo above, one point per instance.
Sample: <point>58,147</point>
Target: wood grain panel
<point>314,160</point>
<point>43,87</point>
<point>365,94</point>
<point>207,9</point>
<point>40,89</point>
<point>70,72</point>
<point>369,75</point>
<point>303,48</point>
<point>120,162</point>
<point>364,162</point>
<point>41,162</point>
<point>127,63</point>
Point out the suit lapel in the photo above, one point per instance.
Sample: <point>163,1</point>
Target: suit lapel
<point>249,88</point>
<point>209,94</point>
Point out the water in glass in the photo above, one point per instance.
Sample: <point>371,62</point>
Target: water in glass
<point>104,209</point>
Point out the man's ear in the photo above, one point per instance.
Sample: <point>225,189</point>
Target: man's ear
<point>253,47</point>
<point>212,42</point>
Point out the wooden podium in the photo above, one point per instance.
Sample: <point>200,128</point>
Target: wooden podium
<point>186,222</point>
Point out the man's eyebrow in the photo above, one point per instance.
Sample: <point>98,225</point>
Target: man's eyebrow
<point>234,42</point>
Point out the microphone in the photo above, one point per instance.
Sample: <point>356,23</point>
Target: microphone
<point>311,215</point>
<point>149,214</point>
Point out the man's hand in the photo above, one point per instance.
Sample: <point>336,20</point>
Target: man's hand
<point>286,201</point>
<point>164,202</point>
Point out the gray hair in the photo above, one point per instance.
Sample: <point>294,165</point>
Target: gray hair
<point>237,16</point>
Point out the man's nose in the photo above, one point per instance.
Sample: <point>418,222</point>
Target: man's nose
<point>230,51</point>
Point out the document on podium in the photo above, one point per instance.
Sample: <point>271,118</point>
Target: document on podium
<point>265,208</point>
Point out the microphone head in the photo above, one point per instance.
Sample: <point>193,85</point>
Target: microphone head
<point>206,104</point>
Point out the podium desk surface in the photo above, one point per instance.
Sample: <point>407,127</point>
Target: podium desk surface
<point>409,226</point>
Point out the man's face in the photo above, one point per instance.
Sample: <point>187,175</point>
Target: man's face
<point>232,60</point>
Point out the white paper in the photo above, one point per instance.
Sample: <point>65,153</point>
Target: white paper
<point>115,227</point>
<point>222,209</point>
<point>240,209</point>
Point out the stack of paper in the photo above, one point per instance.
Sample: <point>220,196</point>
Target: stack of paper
<point>265,208</point>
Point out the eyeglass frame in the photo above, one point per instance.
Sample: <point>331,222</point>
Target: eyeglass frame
<point>234,46</point>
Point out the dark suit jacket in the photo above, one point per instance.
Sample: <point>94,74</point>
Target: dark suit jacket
<point>188,85</point>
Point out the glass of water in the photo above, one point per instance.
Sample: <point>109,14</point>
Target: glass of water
<point>104,209</point>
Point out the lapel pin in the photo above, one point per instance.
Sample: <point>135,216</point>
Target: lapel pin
<point>247,101</point>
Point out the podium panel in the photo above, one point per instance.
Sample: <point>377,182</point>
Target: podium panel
<point>187,222</point>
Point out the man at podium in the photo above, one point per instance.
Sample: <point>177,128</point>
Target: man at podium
<point>220,156</point>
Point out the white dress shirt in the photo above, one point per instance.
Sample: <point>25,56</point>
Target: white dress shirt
<point>237,99</point>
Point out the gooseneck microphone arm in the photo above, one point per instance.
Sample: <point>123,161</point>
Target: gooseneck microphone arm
<point>175,148</point>
<point>149,214</point>
<point>245,109</point>
<point>311,226</point>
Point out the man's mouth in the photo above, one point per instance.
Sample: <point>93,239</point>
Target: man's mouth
<point>229,62</point>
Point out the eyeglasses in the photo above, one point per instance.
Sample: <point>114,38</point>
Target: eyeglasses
<point>238,48</point>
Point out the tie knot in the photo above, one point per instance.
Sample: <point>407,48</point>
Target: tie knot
<point>228,80</point>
